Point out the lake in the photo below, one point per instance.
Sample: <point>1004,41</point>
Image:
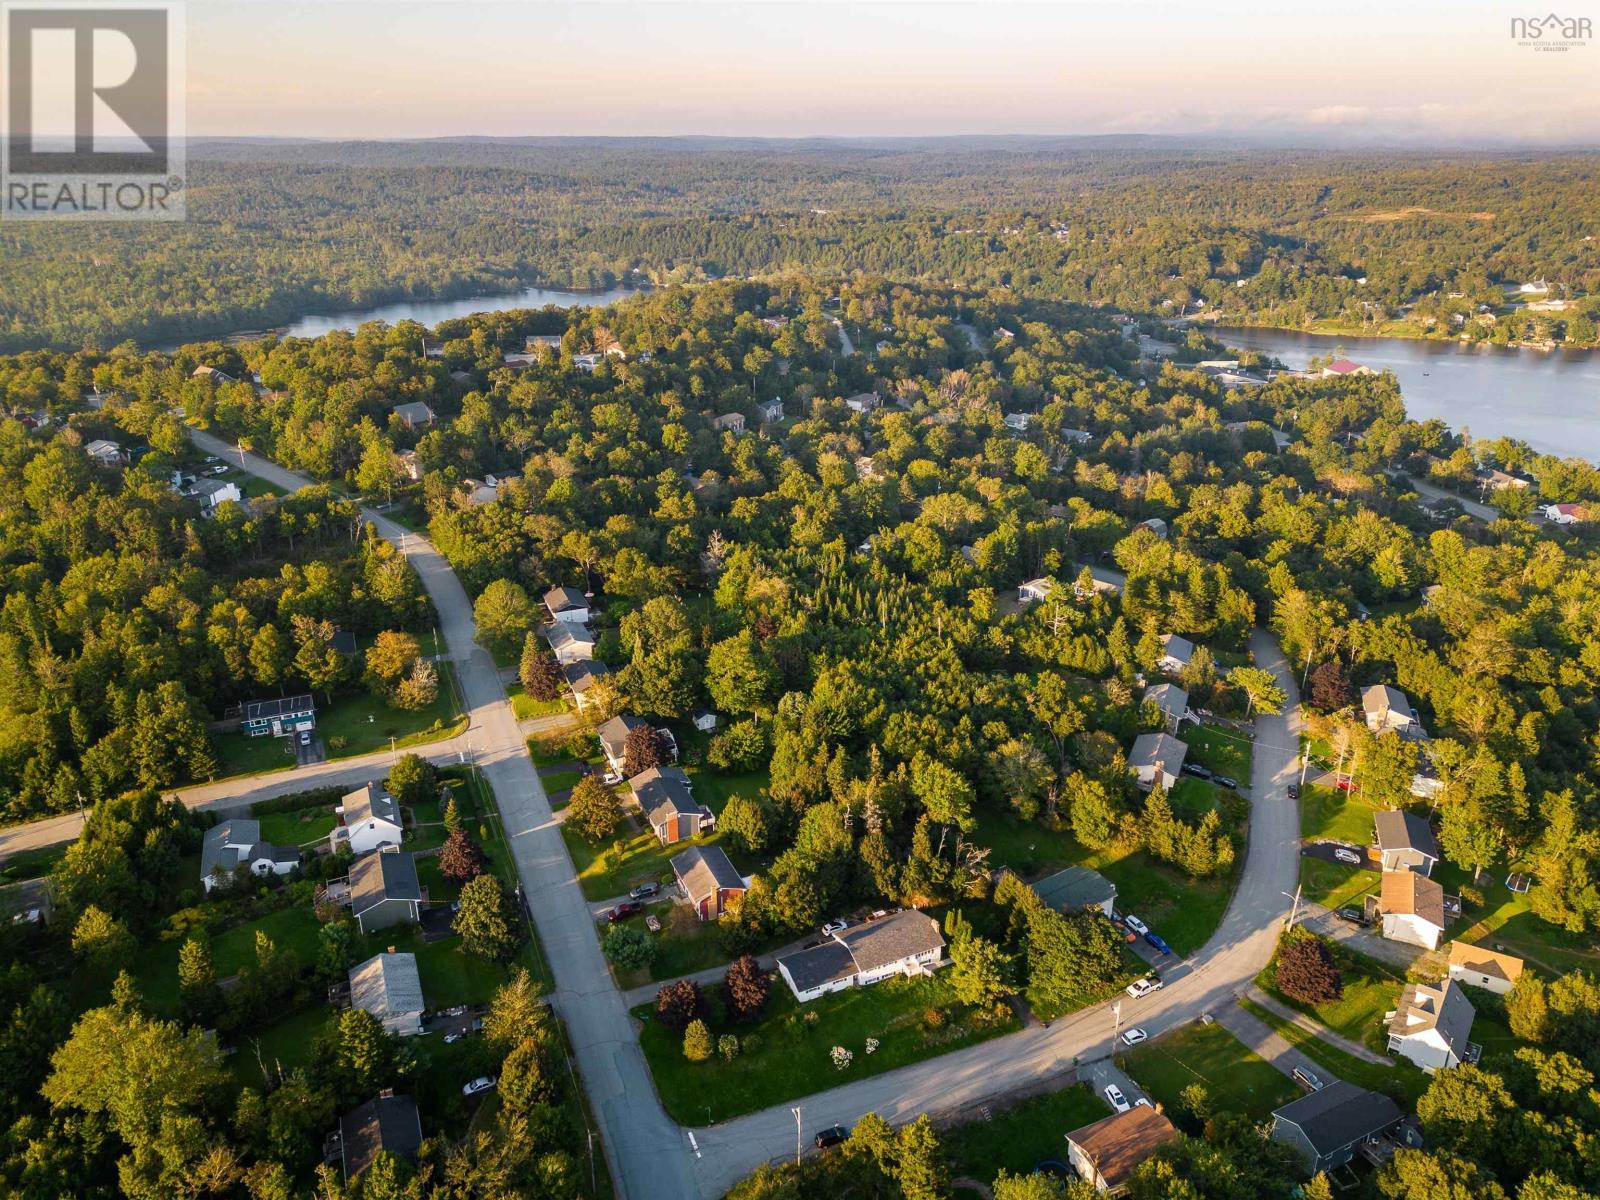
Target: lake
<point>1549,399</point>
<point>431,312</point>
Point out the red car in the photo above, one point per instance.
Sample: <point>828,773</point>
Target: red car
<point>1345,785</point>
<point>626,909</point>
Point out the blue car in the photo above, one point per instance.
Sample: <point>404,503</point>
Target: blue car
<point>1155,940</point>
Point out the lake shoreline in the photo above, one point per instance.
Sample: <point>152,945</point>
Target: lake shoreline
<point>1468,343</point>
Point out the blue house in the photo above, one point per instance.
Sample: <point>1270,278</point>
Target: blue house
<point>260,718</point>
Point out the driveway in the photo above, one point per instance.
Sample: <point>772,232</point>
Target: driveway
<point>1362,939</point>
<point>1328,852</point>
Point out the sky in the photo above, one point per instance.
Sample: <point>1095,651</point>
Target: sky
<point>1403,70</point>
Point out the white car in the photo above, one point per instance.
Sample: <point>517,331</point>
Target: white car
<point>1141,1102</point>
<point>481,1084</point>
<point>1143,987</point>
<point>1132,1037</point>
<point>833,927</point>
<point>1133,923</point>
<point>1346,855</point>
<point>1116,1099</point>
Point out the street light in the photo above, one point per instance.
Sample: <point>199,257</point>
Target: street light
<point>1294,910</point>
<point>796,1111</point>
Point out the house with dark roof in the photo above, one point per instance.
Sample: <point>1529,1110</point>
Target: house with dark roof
<point>1157,758</point>
<point>1107,1153</point>
<point>567,604</point>
<point>236,843</point>
<point>1077,889</point>
<point>1412,907</point>
<point>369,819</point>
<point>1480,967</point>
<point>1328,1126</point>
<point>669,805</point>
<point>384,890</point>
<point>386,1124</point>
<point>771,410</point>
<point>1172,702</point>
<point>1405,842</point>
<point>614,738</point>
<point>581,678</point>
<point>415,415</point>
<point>389,987</point>
<point>1386,709</point>
<point>275,718</point>
<point>1432,1026</point>
<point>905,942</point>
<point>708,880</point>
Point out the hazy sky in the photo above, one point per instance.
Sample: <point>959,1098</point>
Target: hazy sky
<point>1427,71</point>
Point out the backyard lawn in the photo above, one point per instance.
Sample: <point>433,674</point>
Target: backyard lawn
<point>791,1054</point>
<point>1237,1079</point>
<point>298,828</point>
<point>1327,814</point>
<point>1505,920</point>
<point>1016,1139</point>
<point>685,945</point>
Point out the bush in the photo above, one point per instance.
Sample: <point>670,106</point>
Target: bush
<point>753,1043</point>
<point>677,1004</point>
<point>1307,972</point>
<point>933,1018</point>
<point>631,949</point>
<point>697,1042</point>
<point>728,1047</point>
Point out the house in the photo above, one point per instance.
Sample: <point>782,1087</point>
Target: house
<point>1172,702</point>
<point>906,942</point>
<point>390,988</point>
<point>536,342</point>
<point>771,410</point>
<point>518,362</point>
<point>211,375</point>
<point>708,879</point>
<point>1107,1153</point>
<point>581,677</point>
<point>1156,758</point>
<point>212,492</point>
<point>1077,889</point>
<point>775,323</point>
<point>567,604</point>
<point>409,465</point>
<point>614,736</point>
<point>105,453</point>
<point>1483,968</point>
<point>1176,653</point>
<point>479,492</point>
<point>237,842</point>
<point>291,714</point>
<point>386,1124</point>
<point>1339,368</point>
<point>730,422</point>
<point>1326,1127</point>
<point>1562,514</point>
<point>1018,422</point>
<point>1386,708</point>
<point>587,362</point>
<point>1155,525</point>
<point>705,722</point>
<point>1534,287</point>
<point>369,819</point>
<point>1034,590</point>
<point>1497,480</point>
<point>1405,842</point>
<point>1412,907</point>
<point>415,415</point>
<point>1081,436</point>
<point>1430,1026</point>
<point>862,402</point>
<point>569,641</point>
<point>384,890</point>
<point>669,805</point>
<point>344,641</point>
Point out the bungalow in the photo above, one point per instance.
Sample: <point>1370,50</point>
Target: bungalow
<point>1172,702</point>
<point>1339,368</point>
<point>387,1124</point>
<point>586,362</point>
<point>1405,842</point>
<point>236,843</point>
<point>1534,287</point>
<point>1387,709</point>
<point>1018,422</point>
<point>1077,889</point>
<point>291,714</point>
<point>1176,653</point>
<point>390,988</point>
<point>569,641</point>
<point>1430,1026</point>
<point>1034,590</point>
<point>369,819</point>
<point>1563,514</point>
<point>567,604</point>
<point>212,492</point>
<point>211,375</point>
<point>1156,758</point>
<point>384,890</point>
<point>669,805</point>
<point>409,465</point>
<point>771,410</point>
<point>863,402</point>
<point>581,678</point>
<point>905,942</point>
<point>1412,907</point>
<point>106,453</point>
<point>1480,967</point>
<point>1107,1153</point>
<point>1326,1127</point>
<point>1155,525</point>
<point>729,422</point>
<point>415,415</point>
<point>708,879</point>
<point>1497,480</point>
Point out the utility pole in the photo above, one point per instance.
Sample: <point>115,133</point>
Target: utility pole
<point>796,1112</point>
<point>1294,908</point>
<point>1116,1024</point>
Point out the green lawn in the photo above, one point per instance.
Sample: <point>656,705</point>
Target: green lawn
<point>1226,751</point>
<point>289,928</point>
<point>298,828</point>
<point>1403,1081</point>
<point>1237,1079</point>
<point>283,1046</point>
<point>1018,1138</point>
<point>560,781</point>
<point>525,706</point>
<point>1327,814</point>
<point>1370,990</point>
<point>793,1055</point>
<point>713,788</point>
<point>548,750</point>
<point>605,870</point>
<point>685,945</point>
<point>1505,920</point>
<point>31,864</point>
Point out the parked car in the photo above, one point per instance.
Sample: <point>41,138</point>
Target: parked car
<point>210,459</point>
<point>1197,771</point>
<point>1307,1079</point>
<point>1345,784</point>
<point>1227,781</point>
<point>305,738</point>
<point>450,1039</point>
<point>645,891</point>
<point>1132,1037</point>
<point>835,926</point>
<point>831,1136</point>
<point>1143,987</point>
<point>624,910</point>
<point>1346,855</point>
<point>1133,923</point>
<point>459,1010</point>
<point>1294,791</point>
<point>1116,1099</point>
<point>219,469</point>
<point>481,1084</point>
<point>611,778</point>
<point>1155,941</point>
<point>1352,914</point>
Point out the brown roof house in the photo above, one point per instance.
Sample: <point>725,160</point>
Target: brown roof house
<point>1412,907</point>
<point>1107,1152</point>
<point>1488,969</point>
<point>708,879</point>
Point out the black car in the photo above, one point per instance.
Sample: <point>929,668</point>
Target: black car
<point>831,1136</point>
<point>1352,914</point>
<point>1226,781</point>
<point>1197,771</point>
<point>1294,791</point>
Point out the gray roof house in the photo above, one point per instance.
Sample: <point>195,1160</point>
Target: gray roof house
<point>414,415</point>
<point>708,879</point>
<point>567,604</point>
<point>583,675</point>
<point>1156,758</point>
<point>905,942</point>
<point>570,641</point>
<point>1386,708</point>
<point>386,1124</point>
<point>1405,842</point>
<point>1171,701</point>
<point>614,735</point>
<point>1326,1127</point>
<point>384,890</point>
<point>1175,653</point>
<point>390,988</point>
<point>237,842</point>
<point>1077,889</point>
<point>1432,1026</point>
<point>369,819</point>
<point>668,804</point>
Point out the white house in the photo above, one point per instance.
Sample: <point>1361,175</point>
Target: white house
<point>389,987</point>
<point>862,402</point>
<point>1018,422</point>
<point>1107,1153</point>
<point>1562,514</point>
<point>1034,590</point>
<point>771,410</point>
<point>729,422</point>
<point>569,641</point>
<point>1080,436</point>
<point>1172,702</point>
<point>1534,287</point>
<point>212,492</point>
<point>1412,907</point>
<point>1386,708</point>
<point>369,819</point>
<point>1479,967</point>
<point>237,842</point>
<point>1156,758</point>
<point>1155,525</point>
<point>1175,654</point>
<point>1431,1026</point>
<point>106,454</point>
<point>487,490</point>
<point>1405,841</point>
<point>906,942</point>
<point>567,604</point>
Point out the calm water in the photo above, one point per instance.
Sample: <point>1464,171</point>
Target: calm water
<point>1549,399</point>
<point>431,312</point>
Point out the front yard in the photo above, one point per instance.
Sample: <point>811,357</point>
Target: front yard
<point>1370,990</point>
<point>1226,751</point>
<point>787,1053</point>
<point>1015,1140</point>
<point>1330,815</point>
<point>1236,1079</point>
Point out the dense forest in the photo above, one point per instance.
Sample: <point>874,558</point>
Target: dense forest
<point>1420,245</point>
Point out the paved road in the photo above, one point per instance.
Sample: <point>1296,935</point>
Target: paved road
<point>647,1151</point>
<point>1221,972</point>
<point>1429,492</point>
